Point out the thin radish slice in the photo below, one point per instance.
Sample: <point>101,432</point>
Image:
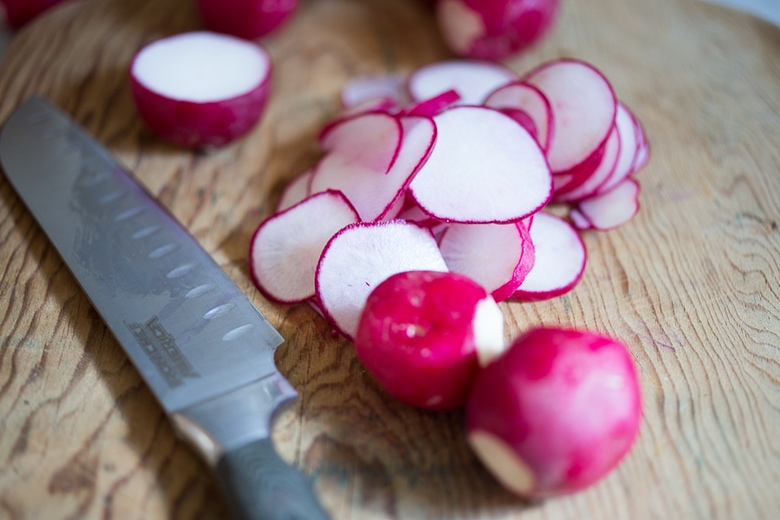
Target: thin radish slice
<point>431,107</point>
<point>473,80</point>
<point>614,208</point>
<point>286,247</point>
<point>368,140</point>
<point>520,97</point>
<point>485,168</point>
<point>497,256</point>
<point>368,88</point>
<point>295,191</point>
<point>643,146</point>
<point>583,107</point>
<point>579,220</point>
<point>201,89</point>
<point>624,123</point>
<point>374,193</point>
<point>360,257</point>
<point>589,184</point>
<point>560,259</point>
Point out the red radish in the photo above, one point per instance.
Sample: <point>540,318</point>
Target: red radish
<point>611,209</point>
<point>421,335</point>
<point>473,80</point>
<point>20,12</point>
<point>485,168</point>
<point>201,89</point>
<point>286,247</point>
<point>556,412</point>
<point>560,259</point>
<point>247,19</point>
<point>583,109</point>
<point>497,256</point>
<point>360,257</point>
<point>526,103</point>
<point>494,29</point>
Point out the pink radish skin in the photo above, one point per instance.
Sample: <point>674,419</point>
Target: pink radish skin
<point>431,107</point>
<point>248,19</point>
<point>19,12</point>
<point>473,80</point>
<point>524,98</point>
<point>583,110</point>
<point>485,168</point>
<point>612,209</point>
<point>560,259</point>
<point>286,247</point>
<point>494,29</point>
<point>420,335</point>
<point>361,256</point>
<point>497,256</point>
<point>556,412</point>
<point>201,89</point>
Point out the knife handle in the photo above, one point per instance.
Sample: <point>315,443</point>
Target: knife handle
<point>259,485</point>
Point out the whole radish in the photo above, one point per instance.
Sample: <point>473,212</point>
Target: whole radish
<point>494,29</point>
<point>19,12</point>
<point>248,19</point>
<point>556,412</point>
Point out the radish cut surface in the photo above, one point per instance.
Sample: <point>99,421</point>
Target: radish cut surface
<point>201,88</point>
<point>624,125</point>
<point>583,108</point>
<point>473,80</point>
<point>524,97</point>
<point>295,191</point>
<point>584,184</point>
<point>560,259</point>
<point>614,208</point>
<point>285,249</point>
<point>485,168</point>
<point>366,140</point>
<point>360,257</point>
<point>497,256</point>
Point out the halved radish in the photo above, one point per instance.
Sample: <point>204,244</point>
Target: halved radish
<point>286,247</point>
<point>360,257</point>
<point>497,256</point>
<point>494,29</point>
<point>521,98</point>
<point>611,209</point>
<point>473,80</point>
<point>560,259</point>
<point>485,168</point>
<point>247,19</point>
<point>583,108</point>
<point>201,89</point>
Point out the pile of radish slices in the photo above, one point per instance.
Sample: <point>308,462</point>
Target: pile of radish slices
<point>454,169</point>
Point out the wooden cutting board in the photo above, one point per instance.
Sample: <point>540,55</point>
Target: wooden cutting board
<point>692,284</point>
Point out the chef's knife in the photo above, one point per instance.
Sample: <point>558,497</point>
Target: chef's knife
<point>197,340</point>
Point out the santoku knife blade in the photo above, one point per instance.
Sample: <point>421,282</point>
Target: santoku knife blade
<point>197,340</point>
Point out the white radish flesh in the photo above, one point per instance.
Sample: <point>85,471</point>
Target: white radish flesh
<point>624,124</point>
<point>529,100</point>
<point>583,184</point>
<point>360,257</point>
<point>560,259</point>
<point>285,249</point>
<point>485,168</point>
<point>367,140</point>
<point>295,191</point>
<point>201,89</point>
<point>612,209</point>
<point>473,80</point>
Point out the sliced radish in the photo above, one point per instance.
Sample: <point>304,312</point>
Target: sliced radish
<point>585,182</point>
<point>497,256</point>
<point>201,89</point>
<point>360,257</point>
<point>583,107</point>
<point>285,249</point>
<point>485,168</point>
<point>295,191</point>
<point>624,124</point>
<point>524,102</point>
<point>431,107</point>
<point>560,259</point>
<point>369,140</point>
<point>358,91</point>
<point>494,29</point>
<point>249,19</point>
<point>422,335</point>
<point>375,193</point>
<point>473,80</point>
<point>612,209</point>
<point>579,220</point>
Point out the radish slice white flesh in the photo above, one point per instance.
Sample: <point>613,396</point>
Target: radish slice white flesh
<point>201,89</point>
<point>485,168</point>
<point>295,191</point>
<point>285,249</point>
<point>524,97</point>
<point>624,123</point>
<point>583,107</point>
<point>473,80</point>
<point>374,193</point>
<point>369,88</point>
<point>360,257</point>
<point>577,189</point>
<point>497,256</point>
<point>614,208</point>
<point>366,140</point>
<point>560,259</point>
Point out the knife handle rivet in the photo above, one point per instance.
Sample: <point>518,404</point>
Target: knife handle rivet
<point>219,311</point>
<point>145,232</point>
<point>180,271</point>
<point>162,251</point>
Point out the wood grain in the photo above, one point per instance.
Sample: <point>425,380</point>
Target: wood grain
<point>691,284</point>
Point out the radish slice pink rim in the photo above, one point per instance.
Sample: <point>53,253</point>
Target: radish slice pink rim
<point>522,96</point>
<point>473,80</point>
<point>201,89</point>
<point>613,208</point>
<point>370,140</point>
